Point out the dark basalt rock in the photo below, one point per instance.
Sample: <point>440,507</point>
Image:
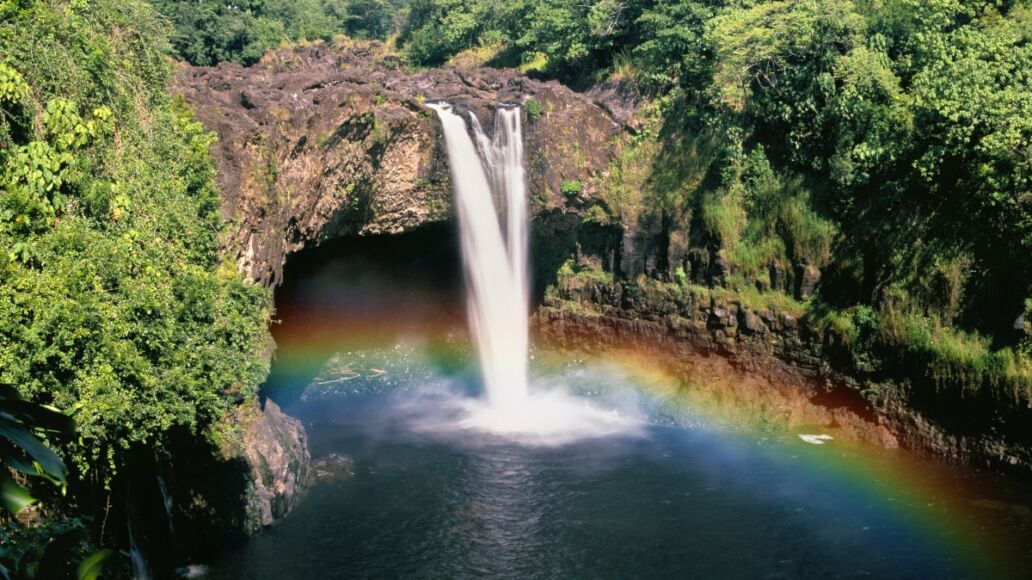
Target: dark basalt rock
<point>275,448</point>
<point>752,323</point>
<point>327,141</point>
<point>808,281</point>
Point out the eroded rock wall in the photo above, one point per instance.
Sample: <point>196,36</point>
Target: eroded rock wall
<point>327,141</point>
<point>686,323</point>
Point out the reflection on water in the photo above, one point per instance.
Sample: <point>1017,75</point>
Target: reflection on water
<point>672,499</point>
<point>499,520</point>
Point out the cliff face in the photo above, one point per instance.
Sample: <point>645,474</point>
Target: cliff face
<point>808,364</point>
<point>218,499</point>
<point>330,141</point>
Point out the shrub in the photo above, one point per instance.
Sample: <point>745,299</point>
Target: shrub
<point>571,188</point>
<point>534,110</point>
<point>111,306</point>
<point>681,276</point>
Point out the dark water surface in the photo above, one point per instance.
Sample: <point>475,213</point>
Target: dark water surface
<point>402,499</point>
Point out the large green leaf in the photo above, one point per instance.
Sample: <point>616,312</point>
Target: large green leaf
<point>39,452</point>
<point>13,458</point>
<point>13,496</point>
<point>38,416</point>
<point>93,566</point>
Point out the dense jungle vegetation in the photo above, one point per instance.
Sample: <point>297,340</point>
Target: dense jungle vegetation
<point>884,142</point>
<point>114,306</point>
<point>211,31</point>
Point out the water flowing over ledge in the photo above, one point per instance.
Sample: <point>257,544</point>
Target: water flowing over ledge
<point>488,174</point>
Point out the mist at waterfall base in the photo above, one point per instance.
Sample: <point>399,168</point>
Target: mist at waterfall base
<point>418,474</point>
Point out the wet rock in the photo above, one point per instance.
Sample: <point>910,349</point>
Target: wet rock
<point>677,256</point>
<point>633,299</point>
<point>275,447</point>
<point>631,262</point>
<point>333,466</point>
<point>699,262</point>
<point>780,278</point>
<point>808,282</point>
<point>752,323</point>
<point>721,270</point>
<point>883,437</point>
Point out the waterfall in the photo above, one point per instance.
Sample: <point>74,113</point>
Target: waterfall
<point>494,257</point>
<point>166,502</point>
<point>139,564</point>
<point>490,190</point>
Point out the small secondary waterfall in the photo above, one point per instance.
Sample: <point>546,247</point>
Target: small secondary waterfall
<point>494,258</point>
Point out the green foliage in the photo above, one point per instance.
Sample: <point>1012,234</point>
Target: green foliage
<point>571,187</point>
<point>24,426</point>
<point>40,176</point>
<point>560,36</point>
<point>47,551</point>
<point>566,269</point>
<point>761,45</point>
<point>956,359</point>
<point>534,110</point>
<point>211,31</point>
<point>56,549</point>
<point>111,305</point>
<point>13,89</point>
<point>672,48</point>
<point>436,30</point>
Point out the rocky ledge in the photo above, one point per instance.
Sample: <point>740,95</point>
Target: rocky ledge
<point>336,140</point>
<point>687,324</point>
<point>275,447</point>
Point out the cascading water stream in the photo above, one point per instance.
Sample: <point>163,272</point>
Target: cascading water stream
<point>494,261</point>
<point>488,174</point>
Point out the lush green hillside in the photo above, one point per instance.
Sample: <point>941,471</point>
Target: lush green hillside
<point>886,143</point>
<point>211,31</point>
<point>114,307</point>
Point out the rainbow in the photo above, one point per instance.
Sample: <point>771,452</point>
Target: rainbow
<point>973,519</point>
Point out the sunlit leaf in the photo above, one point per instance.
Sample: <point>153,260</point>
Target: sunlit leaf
<point>14,497</point>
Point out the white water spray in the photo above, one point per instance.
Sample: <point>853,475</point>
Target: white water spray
<point>494,261</point>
